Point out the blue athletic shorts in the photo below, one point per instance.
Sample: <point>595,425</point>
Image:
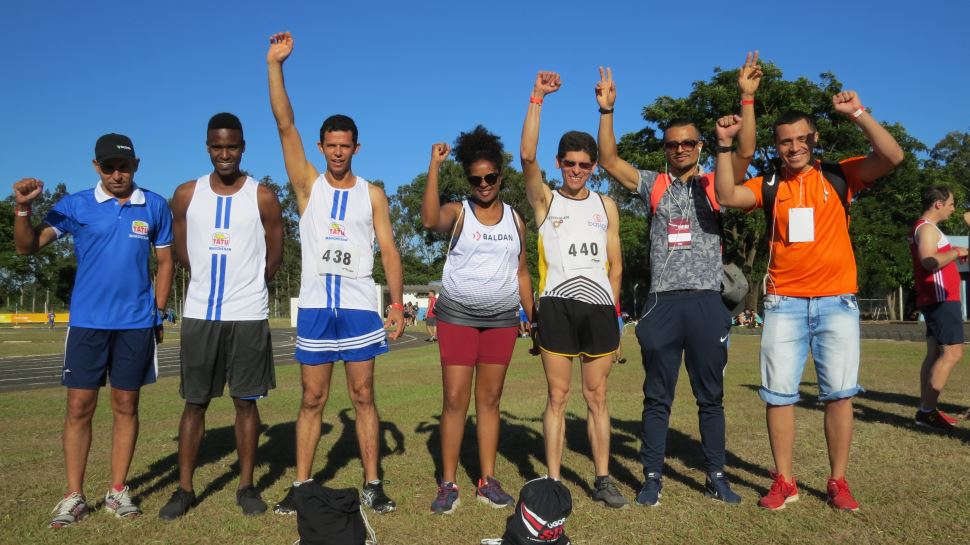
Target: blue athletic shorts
<point>127,356</point>
<point>326,335</point>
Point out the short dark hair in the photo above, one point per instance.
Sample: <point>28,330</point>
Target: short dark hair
<point>935,193</point>
<point>225,120</point>
<point>339,123</point>
<point>790,117</point>
<point>577,141</point>
<point>479,144</point>
<point>680,122</point>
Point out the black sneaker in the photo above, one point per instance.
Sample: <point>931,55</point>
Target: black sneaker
<point>608,494</point>
<point>179,504</point>
<point>718,488</point>
<point>287,506</point>
<point>373,496</point>
<point>248,498</point>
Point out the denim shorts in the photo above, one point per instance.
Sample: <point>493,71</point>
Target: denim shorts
<point>829,326</point>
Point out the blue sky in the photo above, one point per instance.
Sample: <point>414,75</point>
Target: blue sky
<point>414,73</point>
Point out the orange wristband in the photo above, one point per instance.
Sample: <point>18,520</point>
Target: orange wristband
<point>396,306</point>
<point>747,101</point>
<point>535,100</point>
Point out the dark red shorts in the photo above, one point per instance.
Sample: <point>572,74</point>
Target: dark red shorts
<point>466,345</point>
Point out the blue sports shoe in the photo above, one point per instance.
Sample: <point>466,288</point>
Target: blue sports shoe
<point>650,493</point>
<point>447,500</point>
<point>491,494</point>
<point>718,488</point>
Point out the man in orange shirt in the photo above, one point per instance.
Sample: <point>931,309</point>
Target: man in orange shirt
<point>811,282</point>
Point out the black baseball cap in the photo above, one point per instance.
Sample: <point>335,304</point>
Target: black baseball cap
<point>113,146</point>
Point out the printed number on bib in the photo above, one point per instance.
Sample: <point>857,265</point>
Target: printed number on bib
<point>338,258</point>
<point>581,254</point>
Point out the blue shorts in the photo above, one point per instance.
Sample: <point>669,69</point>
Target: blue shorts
<point>326,335</point>
<point>827,325</point>
<point>126,355</point>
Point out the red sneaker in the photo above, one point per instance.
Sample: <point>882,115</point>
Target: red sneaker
<point>933,419</point>
<point>781,493</point>
<point>947,417</point>
<point>839,496</point>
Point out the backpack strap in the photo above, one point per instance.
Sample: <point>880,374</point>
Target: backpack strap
<point>832,173</point>
<point>663,182</point>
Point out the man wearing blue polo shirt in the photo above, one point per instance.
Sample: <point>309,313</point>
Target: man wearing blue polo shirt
<point>114,322</point>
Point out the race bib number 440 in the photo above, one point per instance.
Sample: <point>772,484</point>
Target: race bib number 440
<point>338,258</point>
<point>577,255</point>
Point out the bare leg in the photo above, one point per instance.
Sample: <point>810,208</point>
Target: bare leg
<point>939,373</point>
<point>488,396</point>
<point>191,431</point>
<point>247,437</point>
<point>595,374</point>
<point>124,405</point>
<point>838,434</point>
<point>456,392</point>
<point>558,376</point>
<point>316,388</point>
<point>77,435</point>
<point>781,435</point>
<point>360,385</point>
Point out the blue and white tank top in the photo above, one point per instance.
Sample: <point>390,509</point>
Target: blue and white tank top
<point>572,250</point>
<point>337,239</point>
<point>226,244</point>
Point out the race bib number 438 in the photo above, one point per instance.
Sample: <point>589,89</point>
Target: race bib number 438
<point>338,258</point>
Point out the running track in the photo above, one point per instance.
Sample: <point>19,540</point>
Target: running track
<point>25,372</point>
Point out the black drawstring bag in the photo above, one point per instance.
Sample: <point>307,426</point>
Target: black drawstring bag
<point>327,516</point>
<point>540,515</point>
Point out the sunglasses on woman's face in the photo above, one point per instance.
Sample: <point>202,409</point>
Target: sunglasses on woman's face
<point>567,163</point>
<point>490,178</point>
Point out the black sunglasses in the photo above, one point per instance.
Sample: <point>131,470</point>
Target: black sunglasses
<point>490,178</point>
<point>568,163</point>
<point>688,145</point>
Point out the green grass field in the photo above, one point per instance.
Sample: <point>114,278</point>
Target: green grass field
<point>912,484</point>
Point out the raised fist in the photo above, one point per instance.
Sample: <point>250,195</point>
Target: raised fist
<point>280,47</point>
<point>749,75</point>
<point>846,102</point>
<point>439,152</point>
<point>606,89</point>
<point>727,128</point>
<point>26,190</point>
<point>546,83</point>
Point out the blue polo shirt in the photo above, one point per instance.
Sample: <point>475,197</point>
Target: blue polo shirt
<point>112,242</point>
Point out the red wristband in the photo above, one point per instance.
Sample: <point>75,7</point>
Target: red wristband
<point>396,306</point>
<point>535,100</point>
<point>618,311</point>
<point>747,101</point>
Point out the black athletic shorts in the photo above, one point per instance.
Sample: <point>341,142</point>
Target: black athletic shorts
<point>944,322</point>
<point>573,328</point>
<point>216,352</point>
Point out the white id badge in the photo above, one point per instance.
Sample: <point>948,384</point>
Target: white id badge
<point>801,225</point>
<point>338,257</point>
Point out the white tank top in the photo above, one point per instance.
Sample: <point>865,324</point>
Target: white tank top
<point>572,250</point>
<point>226,244</point>
<point>482,268</point>
<point>337,239</point>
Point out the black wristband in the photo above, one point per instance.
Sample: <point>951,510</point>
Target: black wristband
<point>606,110</point>
<point>723,149</point>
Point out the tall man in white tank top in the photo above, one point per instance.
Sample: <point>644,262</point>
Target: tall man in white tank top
<point>228,234</point>
<point>579,287</point>
<point>340,217</point>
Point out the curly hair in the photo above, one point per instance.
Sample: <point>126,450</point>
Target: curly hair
<point>479,144</point>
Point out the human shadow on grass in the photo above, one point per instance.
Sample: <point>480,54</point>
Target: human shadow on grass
<point>519,443</point>
<point>866,413</point>
<point>467,455</point>
<point>162,474</point>
<point>344,447</point>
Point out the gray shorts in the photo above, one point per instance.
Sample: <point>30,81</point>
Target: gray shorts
<point>215,352</point>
